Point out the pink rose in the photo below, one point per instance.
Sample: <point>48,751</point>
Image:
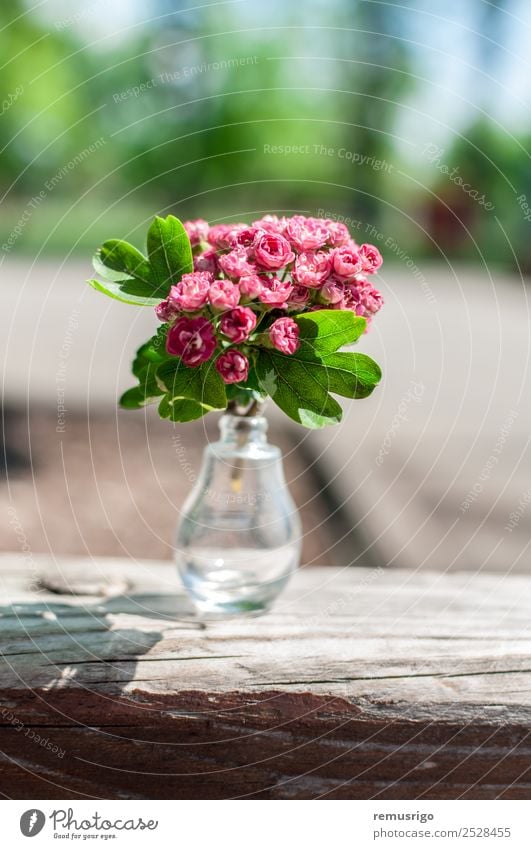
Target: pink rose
<point>197,230</point>
<point>299,296</point>
<point>338,234</point>
<point>332,291</point>
<point>191,292</point>
<point>311,268</point>
<point>224,295</point>
<point>272,251</point>
<point>251,285</point>
<point>207,261</point>
<point>275,292</point>
<point>371,258</point>
<point>306,234</point>
<point>346,261</point>
<point>166,311</point>
<point>235,264</point>
<point>191,339</point>
<point>233,366</point>
<point>284,335</point>
<point>238,324</point>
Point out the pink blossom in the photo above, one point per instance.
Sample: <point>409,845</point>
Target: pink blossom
<point>192,339</point>
<point>191,292</point>
<point>223,236</point>
<point>220,235</point>
<point>224,295</point>
<point>271,224</point>
<point>238,324</point>
<point>352,300</point>
<point>235,230</point>
<point>235,264</point>
<point>338,234</point>
<point>332,291</point>
<point>272,251</point>
<point>207,261</point>
<point>307,234</point>
<point>275,292</point>
<point>284,335</point>
<point>373,300</point>
<point>166,311</point>
<point>361,298</point>
<point>251,285</point>
<point>346,261</point>
<point>299,297</point>
<point>371,258</point>
<point>245,238</point>
<point>311,268</point>
<point>197,230</point>
<point>233,366</point>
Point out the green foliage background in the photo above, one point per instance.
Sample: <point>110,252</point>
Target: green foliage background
<point>221,87</point>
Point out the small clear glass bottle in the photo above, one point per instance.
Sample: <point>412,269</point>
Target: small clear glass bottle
<point>239,536</point>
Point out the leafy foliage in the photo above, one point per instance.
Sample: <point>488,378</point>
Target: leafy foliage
<point>131,277</point>
<point>169,251</point>
<point>201,385</point>
<point>324,331</point>
<point>301,383</point>
<point>183,393</point>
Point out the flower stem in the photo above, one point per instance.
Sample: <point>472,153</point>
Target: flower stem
<point>245,411</point>
<point>253,408</point>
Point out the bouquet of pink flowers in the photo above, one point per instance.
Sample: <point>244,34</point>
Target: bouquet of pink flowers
<point>248,312</point>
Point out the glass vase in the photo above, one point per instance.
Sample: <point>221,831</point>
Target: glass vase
<point>239,536</point>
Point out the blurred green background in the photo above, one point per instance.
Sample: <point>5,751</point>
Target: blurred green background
<point>409,118</point>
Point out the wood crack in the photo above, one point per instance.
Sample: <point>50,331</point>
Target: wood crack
<point>409,675</point>
<point>137,659</point>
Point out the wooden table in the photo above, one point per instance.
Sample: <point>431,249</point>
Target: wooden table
<point>361,684</point>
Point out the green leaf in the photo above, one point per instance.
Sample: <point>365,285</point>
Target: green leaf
<point>202,384</point>
<point>148,390</point>
<point>140,396</point>
<point>106,272</point>
<point>300,383</point>
<point>295,388</point>
<point>132,399</point>
<point>122,257</point>
<point>348,374</point>
<point>169,251</point>
<point>148,357</point>
<point>153,351</point>
<point>324,331</point>
<point>180,411</point>
<point>128,291</point>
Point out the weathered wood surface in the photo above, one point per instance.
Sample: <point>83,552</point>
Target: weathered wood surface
<point>360,684</point>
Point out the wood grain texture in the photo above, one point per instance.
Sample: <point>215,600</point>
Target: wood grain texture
<point>360,684</point>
